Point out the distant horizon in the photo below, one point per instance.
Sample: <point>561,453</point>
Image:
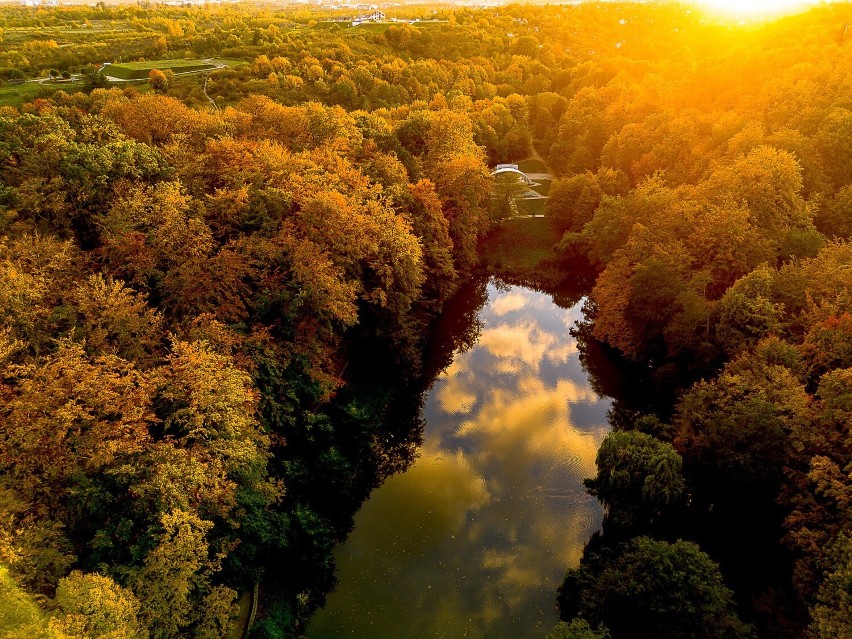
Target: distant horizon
<point>711,6</point>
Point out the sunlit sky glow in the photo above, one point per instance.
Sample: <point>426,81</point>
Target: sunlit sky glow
<point>753,8</point>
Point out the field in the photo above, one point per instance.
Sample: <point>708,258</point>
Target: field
<point>532,165</point>
<point>375,27</point>
<point>543,187</point>
<point>16,94</point>
<point>140,70</point>
<point>520,244</point>
<point>98,30</point>
<point>228,62</point>
<point>531,206</point>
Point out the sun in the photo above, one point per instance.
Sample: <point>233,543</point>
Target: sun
<point>754,7</point>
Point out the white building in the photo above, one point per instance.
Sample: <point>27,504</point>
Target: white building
<point>376,16</point>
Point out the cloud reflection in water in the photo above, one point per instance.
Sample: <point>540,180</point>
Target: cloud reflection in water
<point>474,538</point>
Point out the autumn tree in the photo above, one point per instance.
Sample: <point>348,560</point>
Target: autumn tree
<point>456,167</point>
<point>92,605</point>
<point>158,81</point>
<point>750,407</point>
<point>175,580</point>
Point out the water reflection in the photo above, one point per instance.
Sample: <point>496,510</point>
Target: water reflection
<point>474,538</point>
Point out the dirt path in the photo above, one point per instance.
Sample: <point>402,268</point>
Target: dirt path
<point>206,95</point>
<point>535,156</point>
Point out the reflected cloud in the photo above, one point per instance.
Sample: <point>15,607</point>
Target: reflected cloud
<point>459,365</point>
<point>475,537</point>
<point>454,398</point>
<point>560,354</point>
<point>522,341</point>
<point>507,303</point>
<point>526,434</point>
<point>425,505</point>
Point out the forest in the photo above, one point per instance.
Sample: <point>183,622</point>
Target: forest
<point>217,286</point>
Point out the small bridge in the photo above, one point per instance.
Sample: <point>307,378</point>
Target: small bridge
<point>537,185</point>
<point>502,169</point>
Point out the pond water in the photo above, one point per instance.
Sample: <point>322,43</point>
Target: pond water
<point>475,537</point>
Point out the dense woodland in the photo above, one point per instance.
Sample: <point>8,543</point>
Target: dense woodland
<point>213,315</point>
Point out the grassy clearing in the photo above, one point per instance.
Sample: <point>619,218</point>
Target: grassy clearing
<point>17,94</point>
<point>519,245</point>
<point>426,24</point>
<point>231,62</point>
<point>543,188</point>
<point>140,70</point>
<point>531,207</point>
<point>376,27</point>
<point>163,64</point>
<point>531,165</point>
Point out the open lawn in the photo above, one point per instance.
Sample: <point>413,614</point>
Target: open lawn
<point>16,94</point>
<point>331,24</point>
<point>425,24</point>
<point>531,207</point>
<point>543,187</point>
<point>230,62</point>
<point>140,70</point>
<point>376,27</point>
<point>531,165</point>
<point>520,244</point>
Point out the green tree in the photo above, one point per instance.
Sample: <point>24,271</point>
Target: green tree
<point>576,629</point>
<point>20,615</point>
<point>572,202</point>
<point>832,614</point>
<point>747,313</point>
<point>833,218</point>
<point>93,78</point>
<point>734,431</point>
<point>639,477</point>
<point>653,589</point>
<point>174,583</point>
<point>832,141</point>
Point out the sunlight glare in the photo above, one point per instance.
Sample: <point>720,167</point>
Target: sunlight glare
<point>754,7</point>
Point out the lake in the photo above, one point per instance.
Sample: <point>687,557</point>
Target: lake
<point>475,537</point>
